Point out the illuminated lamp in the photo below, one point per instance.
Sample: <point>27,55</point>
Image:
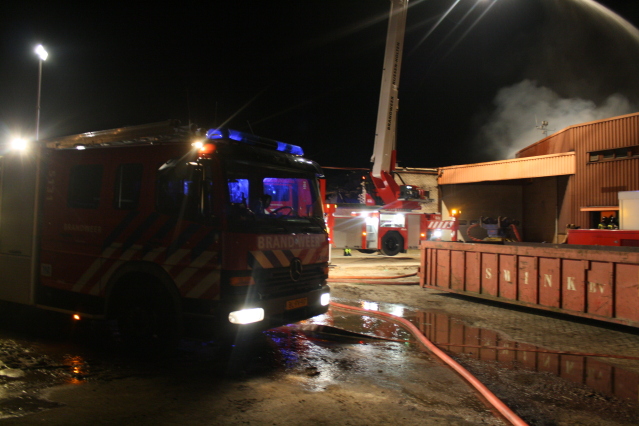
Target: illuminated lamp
<point>253,140</point>
<point>206,150</point>
<point>325,299</point>
<point>19,144</point>
<point>246,316</point>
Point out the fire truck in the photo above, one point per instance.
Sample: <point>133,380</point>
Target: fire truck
<point>164,229</point>
<point>389,221</point>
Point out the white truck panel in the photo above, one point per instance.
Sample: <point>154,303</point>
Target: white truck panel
<point>17,205</point>
<point>347,232</point>
<point>15,282</point>
<point>629,210</point>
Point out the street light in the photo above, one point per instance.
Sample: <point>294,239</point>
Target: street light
<point>19,144</point>
<point>42,54</point>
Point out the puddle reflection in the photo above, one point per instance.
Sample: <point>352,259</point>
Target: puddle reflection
<point>454,336</point>
<point>78,367</point>
<point>451,334</point>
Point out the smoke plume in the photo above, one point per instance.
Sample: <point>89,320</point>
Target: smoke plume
<point>520,108</point>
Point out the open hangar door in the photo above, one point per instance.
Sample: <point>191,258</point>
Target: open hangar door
<point>536,203</point>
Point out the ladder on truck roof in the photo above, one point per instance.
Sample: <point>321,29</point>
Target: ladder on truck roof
<point>162,131</point>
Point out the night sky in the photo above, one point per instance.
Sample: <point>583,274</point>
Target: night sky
<point>308,72</point>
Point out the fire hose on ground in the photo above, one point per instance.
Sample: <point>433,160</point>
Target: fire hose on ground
<point>362,279</point>
<point>502,408</point>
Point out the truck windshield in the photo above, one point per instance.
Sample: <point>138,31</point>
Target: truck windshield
<point>271,198</point>
<point>254,197</point>
<point>272,195</point>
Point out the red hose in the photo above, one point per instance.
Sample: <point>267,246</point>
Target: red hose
<point>516,232</point>
<point>468,232</point>
<point>361,280</point>
<point>358,280</point>
<point>353,277</point>
<point>480,387</point>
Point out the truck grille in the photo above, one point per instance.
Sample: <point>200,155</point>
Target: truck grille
<point>278,282</point>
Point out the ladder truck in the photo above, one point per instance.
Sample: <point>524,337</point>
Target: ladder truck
<point>390,222</point>
<point>164,230</point>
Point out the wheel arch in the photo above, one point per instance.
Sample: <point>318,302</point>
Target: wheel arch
<point>132,272</point>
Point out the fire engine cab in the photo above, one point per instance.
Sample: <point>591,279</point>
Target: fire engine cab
<point>163,228</point>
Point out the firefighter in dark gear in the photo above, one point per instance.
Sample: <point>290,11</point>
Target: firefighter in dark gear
<point>347,252</point>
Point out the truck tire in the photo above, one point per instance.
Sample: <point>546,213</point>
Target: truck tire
<point>147,319</point>
<point>392,243</point>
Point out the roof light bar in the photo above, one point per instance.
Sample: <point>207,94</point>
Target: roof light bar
<point>254,140</point>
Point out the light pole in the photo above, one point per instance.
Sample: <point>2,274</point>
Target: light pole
<point>42,54</point>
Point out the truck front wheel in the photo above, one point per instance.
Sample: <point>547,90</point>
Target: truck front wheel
<point>147,318</point>
<point>392,243</point>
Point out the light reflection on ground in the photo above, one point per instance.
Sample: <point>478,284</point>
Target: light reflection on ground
<point>464,342</point>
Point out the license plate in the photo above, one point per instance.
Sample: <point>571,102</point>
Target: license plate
<point>296,303</point>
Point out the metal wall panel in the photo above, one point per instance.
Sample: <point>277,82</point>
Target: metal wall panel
<point>489,273</point>
<point>518,168</point>
<point>574,281</point>
<point>549,279</point>
<point>458,270</point>
<point>589,281</point>
<point>508,276</point>
<point>527,283</point>
<point>600,289</point>
<point>598,183</point>
<point>627,288</point>
<point>556,143</point>
<point>472,272</point>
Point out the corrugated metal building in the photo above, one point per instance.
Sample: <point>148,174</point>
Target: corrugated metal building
<point>570,177</point>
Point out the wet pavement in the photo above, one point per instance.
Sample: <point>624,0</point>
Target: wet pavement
<point>296,374</point>
<point>373,373</point>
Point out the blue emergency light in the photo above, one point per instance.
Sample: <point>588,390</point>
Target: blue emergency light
<point>254,140</point>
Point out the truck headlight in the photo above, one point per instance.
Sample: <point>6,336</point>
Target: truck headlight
<point>246,316</point>
<point>325,299</point>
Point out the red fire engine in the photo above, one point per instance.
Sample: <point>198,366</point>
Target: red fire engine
<point>162,228</point>
<point>389,222</point>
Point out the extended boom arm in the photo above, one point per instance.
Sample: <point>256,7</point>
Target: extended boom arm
<point>383,159</point>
